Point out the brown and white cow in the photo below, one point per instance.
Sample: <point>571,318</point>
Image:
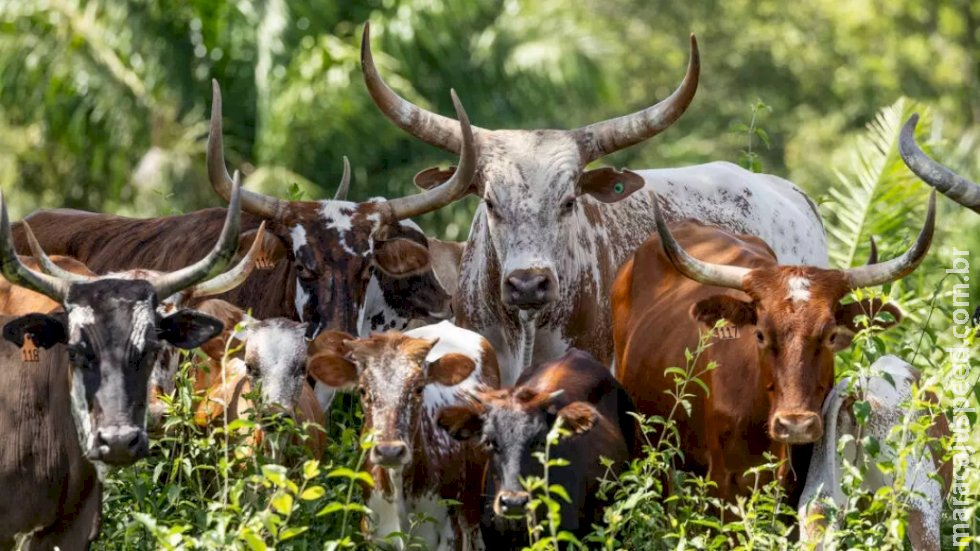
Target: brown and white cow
<point>888,390</point>
<point>776,357</point>
<point>403,380</point>
<point>81,406</point>
<point>513,425</point>
<point>336,252</point>
<point>549,235</point>
<point>267,355</point>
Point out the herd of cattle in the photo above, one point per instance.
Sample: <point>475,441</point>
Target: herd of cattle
<point>574,292</point>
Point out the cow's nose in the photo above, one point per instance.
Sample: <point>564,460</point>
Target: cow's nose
<point>119,444</point>
<point>530,289</point>
<point>512,504</point>
<point>797,428</point>
<point>390,454</point>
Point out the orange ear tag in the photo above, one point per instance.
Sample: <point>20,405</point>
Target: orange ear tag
<point>29,353</point>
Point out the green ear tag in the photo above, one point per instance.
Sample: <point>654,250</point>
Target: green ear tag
<point>619,187</point>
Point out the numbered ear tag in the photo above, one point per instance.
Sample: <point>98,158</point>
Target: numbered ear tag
<point>29,353</point>
<point>727,332</point>
<point>619,187</point>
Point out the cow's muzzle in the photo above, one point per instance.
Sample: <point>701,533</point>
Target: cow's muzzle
<point>530,289</point>
<point>511,504</point>
<point>119,445</point>
<point>390,454</point>
<point>796,427</point>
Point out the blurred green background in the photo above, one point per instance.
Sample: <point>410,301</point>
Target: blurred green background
<point>104,103</point>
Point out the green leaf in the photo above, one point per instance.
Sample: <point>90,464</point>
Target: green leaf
<point>275,474</point>
<point>292,532</point>
<point>282,503</point>
<point>312,493</point>
<point>862,411</point>
<point>311,469</point>
<point>254,542</point>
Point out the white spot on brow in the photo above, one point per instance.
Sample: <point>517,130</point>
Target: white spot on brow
<point>298,236</point>
<point>799,289</point>
<point>143,320</point>
<point>339,215</point>
<point>79,317</point>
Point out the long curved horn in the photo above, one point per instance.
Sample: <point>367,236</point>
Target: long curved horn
<point>936,175</point>
<point>344,186</point>
<point>255,203</point>
<point>46,264</point>
<point>453,188</point>
<point>602,138</point>
<point>897,268</point>
<point>720,275</point>
<point>17,273</point>
<point>216,260</point>
<point>431,128</point>
<point>233,277</point>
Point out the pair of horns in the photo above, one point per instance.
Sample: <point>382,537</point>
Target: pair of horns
<point>56,283</point>
<point>732,277</point>
<point>596,140</point>
<point>944,180</point>
<point>400,208</point>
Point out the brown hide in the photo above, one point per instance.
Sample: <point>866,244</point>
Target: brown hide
<point>652,326</point>
<point>47,483</point>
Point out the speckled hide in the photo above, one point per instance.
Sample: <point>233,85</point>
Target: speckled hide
<point>889,406</point>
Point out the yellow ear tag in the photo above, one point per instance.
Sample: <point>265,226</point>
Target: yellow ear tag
<point>29,353</point>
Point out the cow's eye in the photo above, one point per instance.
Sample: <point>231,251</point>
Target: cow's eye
<point>759,337</point>
<point>832,338</point>
<point>251,368</point>
<point>364,394</point>
<point>567,205</point>
<point>419,389</point>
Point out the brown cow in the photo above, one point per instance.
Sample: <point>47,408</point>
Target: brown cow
<point>403,379</point>
<point>270,355</point>
<point>513,424</point>
<point>776,358</point>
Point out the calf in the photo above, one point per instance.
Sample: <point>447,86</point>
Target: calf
<point>403,380</point>
<point>888,391</point>
<point>512,425</point>
<point>93,365</point>
<point>775,359</point>
<point>272,359</point>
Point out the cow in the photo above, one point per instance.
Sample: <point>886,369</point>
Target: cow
<point>403,379</point>
<point>269,355</point>
<point>549,235</point>
<point>93,360</point>
<point>513,424</point>
<point>335,252</point>
<point>944,180</point>
<point>775,358</point>
<point>888,391</point>
<point>16,300</point>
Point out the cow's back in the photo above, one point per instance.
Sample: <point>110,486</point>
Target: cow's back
<point>653,325</point>
<point>41,462</point>
<point>109,243</point>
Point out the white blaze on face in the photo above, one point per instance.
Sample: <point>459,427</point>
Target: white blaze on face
<point>375,308</point>
<point>337,215</point>
<point>78,317</point>
<point>799,289</point>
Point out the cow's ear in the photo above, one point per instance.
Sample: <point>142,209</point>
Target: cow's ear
<point>333,369</point>
<point>461,422</point>
<point>45,330</point>
<point>610,185</point>
<point>579,417</point>
<point>271,250</point>
<point>451,369</point>
<point>435,176</point>
<point>401,257</point>
<point>724,307</point>
<point>189,328</point>
<point>885,315</point>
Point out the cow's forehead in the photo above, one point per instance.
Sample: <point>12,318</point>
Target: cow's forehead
<point>274,342</point>
<point>529,163</point>
<point>343,226</point>
<point>803,293</point>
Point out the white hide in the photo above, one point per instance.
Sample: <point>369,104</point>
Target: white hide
<point>889,404</point>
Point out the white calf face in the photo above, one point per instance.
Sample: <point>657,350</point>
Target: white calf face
<point>275,356</point>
